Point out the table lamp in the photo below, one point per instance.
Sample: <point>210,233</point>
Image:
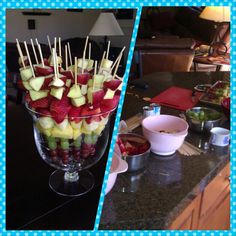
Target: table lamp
<point>106,25</point>
<point>221,16</point>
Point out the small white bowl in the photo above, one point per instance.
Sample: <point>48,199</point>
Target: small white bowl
<point>164,143</point>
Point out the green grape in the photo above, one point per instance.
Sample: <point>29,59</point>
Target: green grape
<point>88,139</point>
<point>77,142</point>
<point>65,144</point>
<point>52,145</point>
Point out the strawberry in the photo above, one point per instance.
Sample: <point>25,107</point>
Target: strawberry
<point>60,108</point>
<point>40,103</point>
<point>46,62</point>
<point>74,114</point>
<point>58,117</point>
<point>68,74</point>
<point>89,111</point>
<point>46,82</point>
<point>93,119</point>
<point>109,104</point>
<point>43,112</point>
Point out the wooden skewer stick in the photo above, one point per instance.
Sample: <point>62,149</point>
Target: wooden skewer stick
<point>66,57</point>
<point>85,47</point>
<point>76,71</point>
<point>28,55</point>
<point>59,46</point>
<point>55,44</point>
<point>108,49</point>
<point>54,63</point>
<point>36,40</point>
<point>68,45</point>
<point>89,56</point>
<point>103,56</point>
<point>35,55</point>
<point>57,65</point>
<point>84,53</point>
<point>117,58</point>
<point>49,44</point>
<point>20,53</point>
<point>95,71</point>
<point>117,65</point>
<point>82,66</point>
<point>41,54</point>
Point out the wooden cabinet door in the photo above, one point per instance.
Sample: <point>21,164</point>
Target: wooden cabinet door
<point>219,217</point>
<point>188,219</point>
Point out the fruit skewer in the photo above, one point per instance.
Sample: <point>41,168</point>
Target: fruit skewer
<point>67,111</point>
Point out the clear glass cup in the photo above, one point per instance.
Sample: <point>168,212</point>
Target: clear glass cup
<point>71,148</point>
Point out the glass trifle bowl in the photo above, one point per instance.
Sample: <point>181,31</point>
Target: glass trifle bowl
<point>71,146</point>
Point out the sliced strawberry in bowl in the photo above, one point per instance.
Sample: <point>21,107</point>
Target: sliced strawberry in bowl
<point>112,84</point>
<point>83,78</point>
<point>74,114</point>
<point>46,82</point>
<point>40,103</point>
<point>68,74</point>
<point>90,110</point>
<point>43,112</point>
<point>43,70</point>
<point>109,104</point>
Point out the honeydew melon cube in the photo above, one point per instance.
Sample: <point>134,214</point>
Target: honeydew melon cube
<point>68,83</point>
<point>109,94</point>
<point>90,127</point>
<point>85,131</point>
<point>37,82</point>
<point>90,65</point>
<point>26,73</point>
<point>26,85</point>
<point>99,130</point>
<point>46,122</point>
<point>62,125</point>
<point>57,92</point>
<point>76,125</point>
<point>35,95</point>
<point>59,60</point>
<point>57,82</point>
<point>84,89</point>
<point>106,64</point>
<point>81,63</point>
<point>77,102</point>
<point>74,92</point>
<point>46,132</point>
<point>98,81</point>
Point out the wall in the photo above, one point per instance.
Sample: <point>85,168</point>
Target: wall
<point>61,23</point>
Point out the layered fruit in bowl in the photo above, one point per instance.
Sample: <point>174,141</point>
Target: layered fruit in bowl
<point>70,108</point>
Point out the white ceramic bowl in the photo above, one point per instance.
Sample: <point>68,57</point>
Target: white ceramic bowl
<point>118,166</point>
<point>167,142</point>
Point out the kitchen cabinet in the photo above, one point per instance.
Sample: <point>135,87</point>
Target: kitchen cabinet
<point>210,210</point>
<point>188,219</point>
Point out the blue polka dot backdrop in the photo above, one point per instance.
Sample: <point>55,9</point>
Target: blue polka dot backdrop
<point>92,4</point>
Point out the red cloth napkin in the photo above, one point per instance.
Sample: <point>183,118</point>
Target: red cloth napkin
<point>178,98</point>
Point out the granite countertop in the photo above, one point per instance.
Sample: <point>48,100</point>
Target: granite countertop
<point>152,198</point>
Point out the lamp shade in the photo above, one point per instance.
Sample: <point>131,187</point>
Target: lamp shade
<point>106,25</point>
<point>217,14</point>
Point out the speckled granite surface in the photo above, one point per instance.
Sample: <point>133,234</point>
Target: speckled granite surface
<point>154,197</point>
